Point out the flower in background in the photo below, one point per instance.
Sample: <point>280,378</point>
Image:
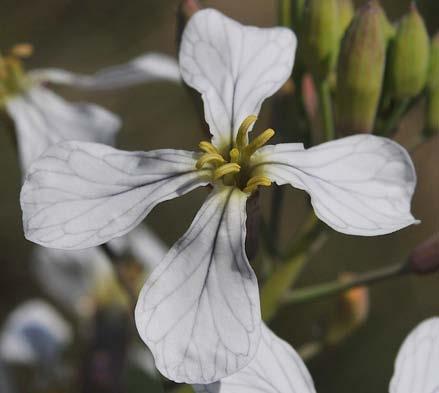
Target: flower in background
<point>34,334</point>
<point>42,118</point>
<point>417,363</point>
<point>72,279</point>
<point>79,280</point>
<point>142,244</point>
<point>199,310</point>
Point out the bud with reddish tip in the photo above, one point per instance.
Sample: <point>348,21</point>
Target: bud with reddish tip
<point>409,57</point>
<point>320,36</point>
<point>424,259</point>
<point>185,10</point>
<point>432,126</point>
<point>352,311</point>
<point>360,71</point>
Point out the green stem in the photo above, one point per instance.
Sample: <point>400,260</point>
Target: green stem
<point>285,13</point>
<point>311,232</point>
<point>276,209</point>
<point>326,109</point>
<point>117,266</point>
<point>319,291</point>
<point>394,118</point>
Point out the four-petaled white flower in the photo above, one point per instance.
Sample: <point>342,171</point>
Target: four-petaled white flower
<point>199,311</point>
<point>43,118</point>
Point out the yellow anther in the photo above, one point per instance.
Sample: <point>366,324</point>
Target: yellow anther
<point>22,50</point>
<point>214,158</point>
<point>255,182</point>
<point>207,147</point>
<point>259,141</point>
<point>234,155</point>
<point>241,138</point>
<point>225,170</point>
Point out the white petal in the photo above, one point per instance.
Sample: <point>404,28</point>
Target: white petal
<point>142,244</point>
<point>234,67</point>
<point>79,195</point>
<point>70,276</point>
<point>33,320</point>
<point>417,363</point>
<point>199,310</point>
<point>146,68</point>
<point>359,185</point>
<point>277,368</point>
<point>42,118</point>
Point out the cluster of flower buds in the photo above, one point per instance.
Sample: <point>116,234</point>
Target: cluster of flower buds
<point>368,61</point>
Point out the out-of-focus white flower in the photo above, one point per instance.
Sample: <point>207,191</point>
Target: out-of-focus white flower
<point>199,310</point>
<point>72,277</point>
<point>276,368</point>
<point>34,334</point>
<point>76,278</point>
<point>417,363</point>
<point>43,118</point>
<point>142,244</point>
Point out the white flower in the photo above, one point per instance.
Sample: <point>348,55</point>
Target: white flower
<point>417,363</point>
<point>276,368</point>
<point>43,118</point>
<point>34,334</point>
<point>142,244</point>
<point>73,278</point>
<point>199,311</point>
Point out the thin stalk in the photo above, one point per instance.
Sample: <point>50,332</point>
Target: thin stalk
<point>116,262</point>
<point>285,13</point>
<point>325,102</point>
<point>273,226</point>
<point>394,118</point>
<point>311,231</point>
<point>319,291</point>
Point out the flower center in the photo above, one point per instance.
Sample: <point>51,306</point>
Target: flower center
<point>233,167</point>
<point>12,76</point>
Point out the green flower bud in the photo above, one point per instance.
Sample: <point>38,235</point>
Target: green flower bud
<point>360,71</point>
<point>409,57</point>
<point>432,126</point>
<point>345,15</point>
<point>297,9</point>
<point>320,36</point>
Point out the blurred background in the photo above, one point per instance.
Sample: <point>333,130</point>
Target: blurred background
<point>85,36</point>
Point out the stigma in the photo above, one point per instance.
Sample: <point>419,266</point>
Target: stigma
<point>233,167</point>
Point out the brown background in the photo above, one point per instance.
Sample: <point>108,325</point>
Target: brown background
<point>84,36</point>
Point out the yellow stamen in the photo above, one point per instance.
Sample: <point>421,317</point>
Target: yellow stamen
<point>241,138</point>
<point>255,182</point>
<point>234,155</point>
<point>208,147</point>
<point>259,141</point>
<point>225,170</point>
<point>209,158</point>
